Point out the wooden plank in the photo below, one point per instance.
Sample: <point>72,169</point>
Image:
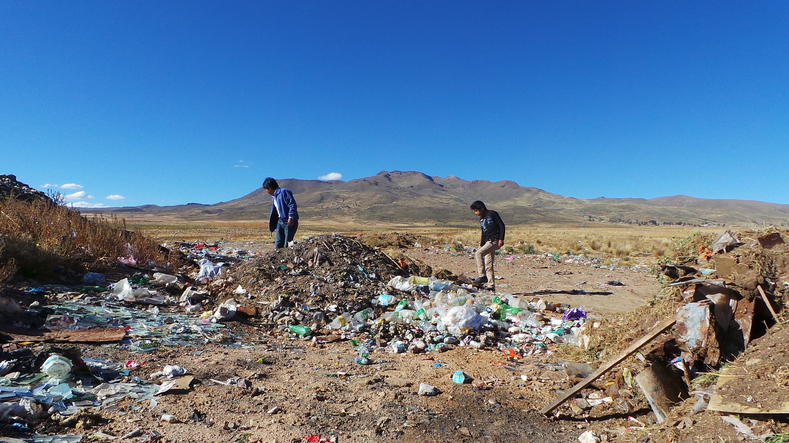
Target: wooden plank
<point>611,363</point>
<point>767,302</point>
<point>96,335</point>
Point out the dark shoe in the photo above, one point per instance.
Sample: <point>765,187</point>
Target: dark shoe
<point>481,280</point>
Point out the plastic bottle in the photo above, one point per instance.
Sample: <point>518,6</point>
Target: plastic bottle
<point>364,355</point>
<point>340,321</point>
<point>406,314</point>
<point>402,305</point>
<point>57,367</point>
<point>300,330</point>
<point>363,315</point>
<point>419,307</point>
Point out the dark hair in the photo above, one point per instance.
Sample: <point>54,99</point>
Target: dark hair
<point>270,183</point>
<point>478,205</point>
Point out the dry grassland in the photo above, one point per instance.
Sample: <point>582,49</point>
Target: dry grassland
<point>639,244</point>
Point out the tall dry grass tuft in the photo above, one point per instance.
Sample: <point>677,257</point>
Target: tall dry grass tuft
<point>40,236</point>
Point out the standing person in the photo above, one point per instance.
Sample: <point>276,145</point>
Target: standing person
<point>492,239</point>
<point>284,216</point>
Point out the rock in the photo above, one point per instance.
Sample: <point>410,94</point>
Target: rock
<point>589,437</point>
<point>428,390</point>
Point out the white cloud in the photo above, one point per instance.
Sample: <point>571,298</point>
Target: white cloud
<point>70,186</point>
<point>50,185</point>
<point>240,166</point>
<point>115,197</point>
<point>86,205</point>
<point>331,176</point>
<point>77,195</point>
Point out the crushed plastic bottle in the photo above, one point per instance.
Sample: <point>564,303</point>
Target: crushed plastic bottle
<point>57,367</point>
<point>363,315</point>
<point>364,355</point>
<point>340,321</point>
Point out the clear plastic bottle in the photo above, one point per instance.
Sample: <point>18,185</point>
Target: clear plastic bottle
<point>364,355</point>
<point>340,321</point>
<point>363,315</point>
<point>57,367</point>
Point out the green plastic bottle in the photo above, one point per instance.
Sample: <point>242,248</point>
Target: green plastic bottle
<point>300,330</point>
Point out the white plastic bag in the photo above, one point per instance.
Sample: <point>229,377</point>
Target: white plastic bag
<point>208,271</point>
<point>402,284</point>
<point>460,318</point>
<point>123,290</point>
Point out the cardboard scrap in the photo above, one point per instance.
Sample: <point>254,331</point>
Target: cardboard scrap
<point>95,335</point>
<point>176,385</point>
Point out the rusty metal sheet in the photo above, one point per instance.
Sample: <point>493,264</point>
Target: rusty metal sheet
<point>743,315</point>
<point>696,333</point>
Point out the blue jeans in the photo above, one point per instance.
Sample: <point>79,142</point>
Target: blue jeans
<point>285,233</point>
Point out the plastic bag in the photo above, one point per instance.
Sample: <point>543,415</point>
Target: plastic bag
<point>162,279</point>
<point>459,318</point>
<point>402,284</point>
<point>208,271</point>
<point>123,290</point>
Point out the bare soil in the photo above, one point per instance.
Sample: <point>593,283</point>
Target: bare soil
<point>264,384</point>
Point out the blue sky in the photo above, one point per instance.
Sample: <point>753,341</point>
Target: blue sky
<point>118,103</point>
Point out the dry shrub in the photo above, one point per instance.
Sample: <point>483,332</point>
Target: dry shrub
<point>616,333</point>
<point>40,236</point>
<point>686,250</point>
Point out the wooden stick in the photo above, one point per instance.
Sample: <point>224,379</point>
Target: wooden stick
<point>611,363</point>
<point>767,302</point>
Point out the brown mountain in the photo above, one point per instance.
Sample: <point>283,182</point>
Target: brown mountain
<point>413,198</point>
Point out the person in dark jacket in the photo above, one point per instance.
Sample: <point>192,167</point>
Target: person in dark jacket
<point>284,216</point>
<point>492,239</point>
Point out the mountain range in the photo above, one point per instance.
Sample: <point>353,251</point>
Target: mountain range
<point>414,198</point>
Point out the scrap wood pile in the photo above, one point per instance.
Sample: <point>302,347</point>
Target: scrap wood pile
<point>721,296</point>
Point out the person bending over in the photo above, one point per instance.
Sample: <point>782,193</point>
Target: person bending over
<point>492,239</point>
<point>284,216</point>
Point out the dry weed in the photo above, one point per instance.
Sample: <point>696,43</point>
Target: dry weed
<point>41,236</point>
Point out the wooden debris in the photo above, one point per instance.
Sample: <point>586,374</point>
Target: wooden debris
<point>767,302</point>
<point>611,363</point>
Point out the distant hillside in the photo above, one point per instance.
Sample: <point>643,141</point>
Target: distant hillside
<point>413,198</point>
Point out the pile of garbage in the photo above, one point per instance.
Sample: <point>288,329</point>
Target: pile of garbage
<point>11,188</point>
<point>349,290</point>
